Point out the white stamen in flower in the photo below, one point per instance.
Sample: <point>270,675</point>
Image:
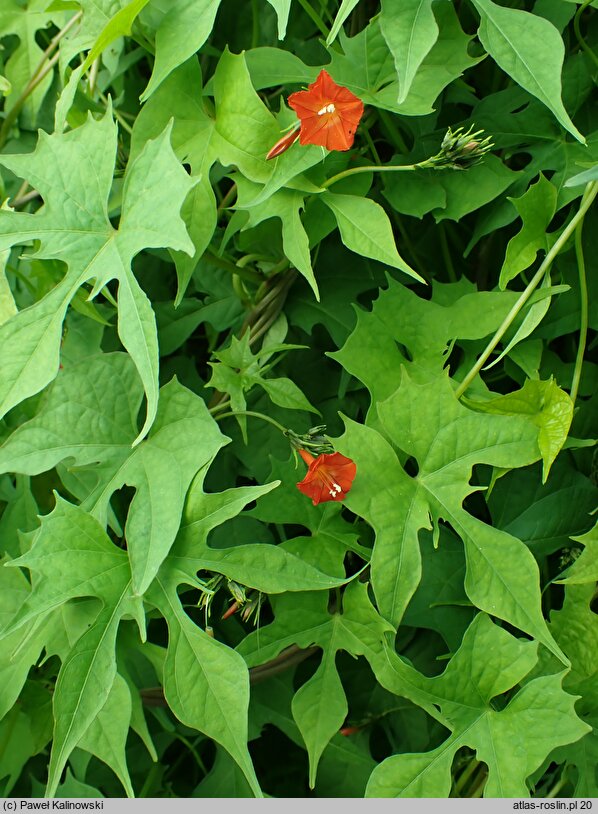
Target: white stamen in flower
<point>329,108</point>
<point>336,490</point>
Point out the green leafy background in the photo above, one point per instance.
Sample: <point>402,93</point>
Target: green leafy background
<point>176,618</point>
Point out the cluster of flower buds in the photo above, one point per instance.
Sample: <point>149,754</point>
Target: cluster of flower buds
<point>313,440</point>
<point>459,150</point>
<point>245,600</point>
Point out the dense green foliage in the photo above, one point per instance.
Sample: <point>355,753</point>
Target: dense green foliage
<point>430,298</point>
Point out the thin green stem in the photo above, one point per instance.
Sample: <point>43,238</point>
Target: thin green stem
<point>465,776</point>
<point>372,147</point>
<point>193,751</point>
<point>254,415</point>
<point>315,17</point>
<point>557,786</point>
<point>586,48</point>
<point>415,260</point>
<point>255,24</point>
<point>222,405</point>
<point>243,273</point>
<point>117,114</point>
<point>587,200</point>
<point>43,68</point>
<point>583,305</point>
<point>370,168</point>
<point>230,194</point>
<point>446,253</point>
<point>393,130</point>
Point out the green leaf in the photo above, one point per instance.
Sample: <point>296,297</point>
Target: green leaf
<point>60,559</point>
<point>423,328</point>
<point>206,684</point>
<point>183,30</point>
<point>106,737</point>
<point>530,50</point>
<point>183,439</point>
<point>102,392</point>
<point>366,230</point>
<point>266,568</point>
<point>25,21</point>
<point>285,393</point>
<point>367,68</point>
<point>536,208</point>
<point>282,8</point>
<point>244,129</point>
<point>345,9</point>
<point>319,706</point>
<point>118,25</point>
<point>547,406</point>
<point>286,205</point>
<point>546,515</point>
<point>30,341</point>
<point>8,307</point>
<point>512,742</point>
<point>446,440</point>
<point>410,29</point>
<point>14,670</point>
<point>585,567</point>
<point>448,195</point>
<point>583,177</point>
<point>74,788</point>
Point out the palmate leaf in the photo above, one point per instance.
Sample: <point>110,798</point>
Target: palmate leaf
<point>73,173</point>
<point>72,557</point>
<point>268,568</point>
<point>403,330</point>
<point>101,394</point>
<point>240,134</point>
<point>575,627</point>
<point>512,741</point>
<point>319,707</point>
<point>205,683</point>
<point>446,440</point>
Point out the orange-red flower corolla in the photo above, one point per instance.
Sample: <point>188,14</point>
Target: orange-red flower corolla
<point>329,113</point>
<point>329,476</point>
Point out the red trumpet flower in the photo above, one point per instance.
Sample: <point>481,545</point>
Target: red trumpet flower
<point>329,113</point>
<point>329,476</point>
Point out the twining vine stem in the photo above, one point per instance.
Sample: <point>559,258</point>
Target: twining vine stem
<point>590,193</point>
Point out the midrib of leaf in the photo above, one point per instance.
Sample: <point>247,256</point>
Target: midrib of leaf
<point>411,35</point>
